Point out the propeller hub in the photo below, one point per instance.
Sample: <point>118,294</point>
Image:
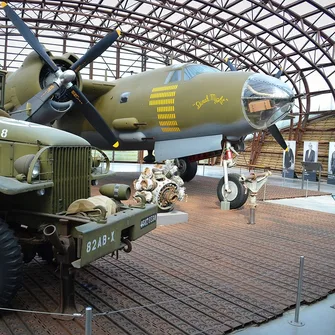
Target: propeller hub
<point>67,76</point>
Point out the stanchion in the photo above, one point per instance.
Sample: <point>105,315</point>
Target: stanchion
<point>88,322</point>
<point>264,191</point>
<point>296,322</point>
<point>252,215</point>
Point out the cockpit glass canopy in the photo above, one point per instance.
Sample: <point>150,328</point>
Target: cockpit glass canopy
<point>190,71</point>
<point>265,100</point>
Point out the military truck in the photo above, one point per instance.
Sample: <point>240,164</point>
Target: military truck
<point>46,208</point>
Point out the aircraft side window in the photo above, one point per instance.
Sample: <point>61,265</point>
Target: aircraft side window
<point>173,76</point>
<point>124,97</point>
<point>176,76</point>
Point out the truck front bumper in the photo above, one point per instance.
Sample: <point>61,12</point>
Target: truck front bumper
<point>95,240</point>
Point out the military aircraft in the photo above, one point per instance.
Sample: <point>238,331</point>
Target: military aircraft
<point>179,111</point>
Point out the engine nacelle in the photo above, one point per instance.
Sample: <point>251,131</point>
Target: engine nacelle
<point>37,76</point>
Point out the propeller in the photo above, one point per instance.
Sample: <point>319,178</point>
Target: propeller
<point>279,73</point>
<point>65,78</point>
<point>28,35</point>
<point>274,131</point>
<point>96,51</point>
<point>93,117</point>
<point>39,99</point>
<point>230,64</point>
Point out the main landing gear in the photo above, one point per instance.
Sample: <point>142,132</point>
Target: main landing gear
<point>230,187</point>
<point>149,158</point>
<point>186,168</point>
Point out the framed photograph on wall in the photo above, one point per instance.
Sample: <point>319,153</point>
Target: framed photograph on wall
<point>289,160</point>
<point>311,151</point>
<point>310,155</point>
<point>331,163</point>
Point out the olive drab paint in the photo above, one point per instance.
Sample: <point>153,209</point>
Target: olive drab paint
<point>148,107</point>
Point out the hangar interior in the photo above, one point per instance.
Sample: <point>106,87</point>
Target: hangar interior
<point>261,36</point>
<point>229,283</point>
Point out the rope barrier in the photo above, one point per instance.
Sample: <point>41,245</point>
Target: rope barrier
<point>76,315</point>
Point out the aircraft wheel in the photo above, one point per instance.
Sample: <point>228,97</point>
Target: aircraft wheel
<point>187,170</point>
<point>11,265</point>
<point>239,193</point>
<point>149,158</point>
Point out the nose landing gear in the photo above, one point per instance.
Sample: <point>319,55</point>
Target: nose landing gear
<point>231,186</point>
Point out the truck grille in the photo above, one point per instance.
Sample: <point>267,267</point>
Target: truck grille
<point>71,175</point>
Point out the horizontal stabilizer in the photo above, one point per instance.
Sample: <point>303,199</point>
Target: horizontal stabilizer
<point>186,147</point>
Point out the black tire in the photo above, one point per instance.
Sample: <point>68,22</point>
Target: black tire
<point>187,170</point>
<point>46,253</point>
<point>239,194</point>
<point>29,252</point>
<point>11,265</point>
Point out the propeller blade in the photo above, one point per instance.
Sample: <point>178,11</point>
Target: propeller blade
<point>230,64</point>
<point>279,73</point>
<point>277,136</point>
<point>96,51</point>
<point>93,116</point>
<point>37,101</point>
<point>28,35</point>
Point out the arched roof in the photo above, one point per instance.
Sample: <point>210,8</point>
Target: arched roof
<point>258,35</point>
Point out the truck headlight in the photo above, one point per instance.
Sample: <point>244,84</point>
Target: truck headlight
<point>23,163</point>
<point>36,170</point>
<point>96,162</point>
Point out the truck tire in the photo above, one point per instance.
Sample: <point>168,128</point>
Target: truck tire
<point>239,194</point>
<point>11,265</point>
<point>29,252</point>
<point>45,252</point>
<point>187,170</point>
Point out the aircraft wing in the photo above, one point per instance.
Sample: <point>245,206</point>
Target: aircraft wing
<point>93,89</point>
<point>186,147</point>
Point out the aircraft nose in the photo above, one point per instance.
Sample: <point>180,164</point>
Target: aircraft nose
<point>265,100</point>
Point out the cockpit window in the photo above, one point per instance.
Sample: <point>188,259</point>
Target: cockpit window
<point>174,76</point>
<point>193,70</point>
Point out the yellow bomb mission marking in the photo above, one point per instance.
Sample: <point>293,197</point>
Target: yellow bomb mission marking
<point>210,97</point>
<point>164,88</point>
<point>163,98</point>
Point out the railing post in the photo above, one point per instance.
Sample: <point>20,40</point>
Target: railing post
<point>297,306</point>
<point>88,321</point>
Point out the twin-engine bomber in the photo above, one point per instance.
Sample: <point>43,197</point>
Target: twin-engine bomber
<point>46,208</point>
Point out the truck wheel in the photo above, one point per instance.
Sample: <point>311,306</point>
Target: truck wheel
<point>29,252</point>
<point>239,193</point>
<point>46,253</point>
<point>187,170</point>
<point>11,265</point>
